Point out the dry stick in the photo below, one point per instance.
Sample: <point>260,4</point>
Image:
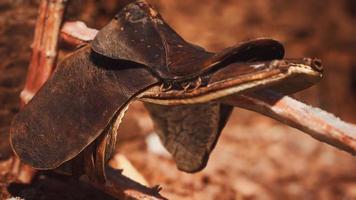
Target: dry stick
<point>43,61</point>
<point>44,46</point>
<point>123,187</point>
<point>77,33</point>
<point>315,122</point>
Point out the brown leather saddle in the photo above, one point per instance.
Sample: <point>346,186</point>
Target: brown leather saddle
<point>139,34</point>
<point>75,114</point>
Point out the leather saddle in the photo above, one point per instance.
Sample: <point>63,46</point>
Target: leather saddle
<point>139,34</point>
<point>74,116</point>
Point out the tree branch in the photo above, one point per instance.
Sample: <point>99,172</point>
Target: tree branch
<point>123,187</point>
<point>315,122</point>
<point>77,33</point>
<point>44,46</point>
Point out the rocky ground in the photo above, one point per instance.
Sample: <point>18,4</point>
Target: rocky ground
<point>256,158</point>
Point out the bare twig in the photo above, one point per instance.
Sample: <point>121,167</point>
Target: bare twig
<point>123,187</point>
<point>44,46</point>
<point>119,161</point>
<point>315,122</point>
<point>77,33</point>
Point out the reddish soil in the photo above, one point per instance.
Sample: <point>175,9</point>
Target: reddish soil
<point>256,157</point>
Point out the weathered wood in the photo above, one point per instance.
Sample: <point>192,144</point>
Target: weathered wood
<point>123,187</point>
<point>77,33</point>
<point>44,46</point>
<point>317,123</point>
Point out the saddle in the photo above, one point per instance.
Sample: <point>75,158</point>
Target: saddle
<point>139,34</point>
<point>72,120</point>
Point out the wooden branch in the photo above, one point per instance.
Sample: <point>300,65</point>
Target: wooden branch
<point>44,46</point>
<point>118,185</point>
<point>120,162</point>
<point>77,33</point>
<point>317,123</point>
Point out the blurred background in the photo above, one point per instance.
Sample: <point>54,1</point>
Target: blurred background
<point>256,157</point>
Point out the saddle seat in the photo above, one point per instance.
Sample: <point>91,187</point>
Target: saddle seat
<point>139,34</point>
